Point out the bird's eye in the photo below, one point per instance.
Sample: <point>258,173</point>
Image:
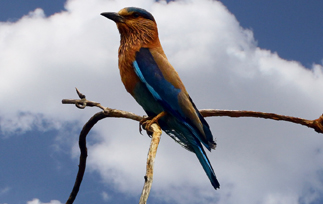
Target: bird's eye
<point>136,15</point>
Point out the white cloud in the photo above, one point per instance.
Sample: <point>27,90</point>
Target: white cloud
<point>37,201</point>
<point>256,161</point>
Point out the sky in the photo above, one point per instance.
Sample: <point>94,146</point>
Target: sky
<point>260,56</point>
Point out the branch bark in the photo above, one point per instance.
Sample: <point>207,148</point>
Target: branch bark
<point>150,163</point>
<point>81,103</point>
<point>82,144</point>
<point>317,124</point>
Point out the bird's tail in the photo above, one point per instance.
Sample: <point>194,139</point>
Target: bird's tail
<point>183,135</point>
<point>200,153</point>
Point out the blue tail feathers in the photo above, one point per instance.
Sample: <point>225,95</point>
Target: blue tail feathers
<point>200,153</point>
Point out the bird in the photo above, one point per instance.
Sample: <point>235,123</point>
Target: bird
<point>156,86</point>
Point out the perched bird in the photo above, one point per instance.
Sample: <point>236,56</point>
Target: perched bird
<point>149,77</point>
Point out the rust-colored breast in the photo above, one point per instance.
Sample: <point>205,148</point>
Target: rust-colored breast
<point>127,55</point>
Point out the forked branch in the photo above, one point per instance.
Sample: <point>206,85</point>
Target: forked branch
<point>81,103</point>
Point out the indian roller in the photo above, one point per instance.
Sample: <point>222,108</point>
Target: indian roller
<point>153,82</point>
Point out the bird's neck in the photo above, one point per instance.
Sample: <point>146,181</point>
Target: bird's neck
<point>129,44</point>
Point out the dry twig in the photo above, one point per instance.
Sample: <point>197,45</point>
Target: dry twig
<point>150,163</point>
<point>317,124</point>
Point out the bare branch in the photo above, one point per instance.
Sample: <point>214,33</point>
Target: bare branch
<point>81,103</point>
<point>82,144</point>
<point>150,163</point>
<point>317,124</point>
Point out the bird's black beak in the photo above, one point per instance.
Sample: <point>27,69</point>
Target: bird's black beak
<point>113,16</point>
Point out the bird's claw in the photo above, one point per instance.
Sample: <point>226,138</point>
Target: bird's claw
<point>144,124</point>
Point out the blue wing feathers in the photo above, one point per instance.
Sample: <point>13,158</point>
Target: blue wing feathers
<point>166,94</point>
<point>142,78</point>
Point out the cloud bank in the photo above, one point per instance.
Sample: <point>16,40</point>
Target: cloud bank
<point>256,161</point>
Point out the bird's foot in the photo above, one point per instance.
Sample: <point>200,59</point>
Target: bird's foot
<point>147,122</point>
<point>143,122</point>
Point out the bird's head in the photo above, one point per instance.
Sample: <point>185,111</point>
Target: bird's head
<point>135,24</point>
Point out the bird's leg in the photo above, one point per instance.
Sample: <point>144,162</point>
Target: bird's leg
<point>149,121</point>
<point>155,120</point>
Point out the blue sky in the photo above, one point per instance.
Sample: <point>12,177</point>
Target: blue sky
<point>291,28</point>
<point>44,57</point>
